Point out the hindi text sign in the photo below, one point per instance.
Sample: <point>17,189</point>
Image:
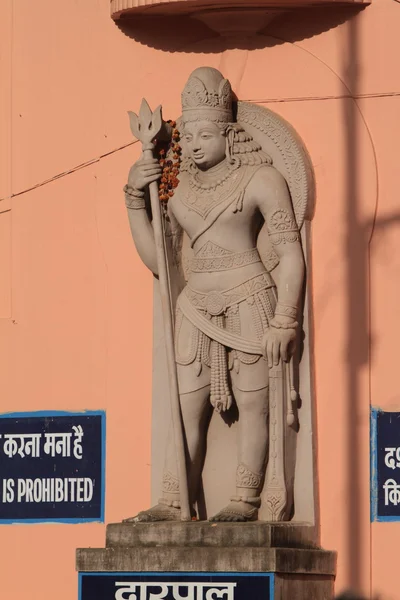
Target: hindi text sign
<point>176,586</point>
<point>52,467</point>
<point>385,453</point>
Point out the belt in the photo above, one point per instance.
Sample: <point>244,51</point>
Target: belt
<point>224,263</point>
<point>216,303</point>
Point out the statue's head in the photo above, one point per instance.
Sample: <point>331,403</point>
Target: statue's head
<point>206,115</point>
<point>207,123</point>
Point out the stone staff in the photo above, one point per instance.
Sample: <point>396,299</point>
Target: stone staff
<point>146,127</point>
<point>275,496</point>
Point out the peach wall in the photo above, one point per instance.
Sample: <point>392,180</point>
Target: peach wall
<point>75,301</point>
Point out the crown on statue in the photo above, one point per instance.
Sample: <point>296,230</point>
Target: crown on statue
<point>207,96</point>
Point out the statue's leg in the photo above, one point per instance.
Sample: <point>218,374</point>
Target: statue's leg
<point>250,388</point>
<point>196,411</point>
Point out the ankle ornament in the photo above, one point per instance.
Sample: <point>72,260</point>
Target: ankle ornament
<point>170,483</point>
<point>253,500</point>
<point>170,503</point>
<point>245,478</point>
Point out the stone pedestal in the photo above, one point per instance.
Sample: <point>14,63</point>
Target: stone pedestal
<point>299,569</point>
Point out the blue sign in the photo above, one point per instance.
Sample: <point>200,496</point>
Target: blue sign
<point>52,467</point>
<point>385,466</point>
<point>176,586</point>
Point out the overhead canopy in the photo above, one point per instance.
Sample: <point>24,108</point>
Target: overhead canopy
<point>170,7</point>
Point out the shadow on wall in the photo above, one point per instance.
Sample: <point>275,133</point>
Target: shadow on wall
<point>179,33</point>
<point>357,318</point>
<point>361,340</point>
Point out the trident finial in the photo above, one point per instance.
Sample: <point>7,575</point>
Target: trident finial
<point>147,125</point>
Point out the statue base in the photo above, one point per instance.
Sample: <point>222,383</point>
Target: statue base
<point>284,553</point>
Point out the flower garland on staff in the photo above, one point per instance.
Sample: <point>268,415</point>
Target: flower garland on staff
<point>170,168</point>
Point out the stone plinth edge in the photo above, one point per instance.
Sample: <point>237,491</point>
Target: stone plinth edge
<point>204,533</point>
<point>207,559</point>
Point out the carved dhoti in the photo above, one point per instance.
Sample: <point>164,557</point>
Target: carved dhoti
<point>222,329</point>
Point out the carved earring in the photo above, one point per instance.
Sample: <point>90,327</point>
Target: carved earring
<point>229,144</point>
<point>230,138</point>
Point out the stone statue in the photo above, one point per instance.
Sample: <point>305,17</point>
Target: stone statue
<point>235,326</point>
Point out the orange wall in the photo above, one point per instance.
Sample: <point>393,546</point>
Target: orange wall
<point>75,301</point>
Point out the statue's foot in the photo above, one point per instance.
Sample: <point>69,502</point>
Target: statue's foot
<point>239,511</point>
<point>159,512</point>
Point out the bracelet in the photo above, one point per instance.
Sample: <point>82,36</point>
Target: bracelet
<point>134,198</point>
<point>286,310</point>
<point>278,325</point>
<point>131,191</point>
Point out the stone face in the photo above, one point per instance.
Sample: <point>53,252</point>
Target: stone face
<point>203,533</point>
<point>207,559</point>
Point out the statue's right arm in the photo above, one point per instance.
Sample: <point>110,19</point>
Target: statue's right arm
<point>142,173</point>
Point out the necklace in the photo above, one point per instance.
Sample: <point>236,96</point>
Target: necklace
<point>215,176</point>
<point>202,197</point>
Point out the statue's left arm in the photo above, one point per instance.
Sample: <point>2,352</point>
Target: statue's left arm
<point>271,193</point>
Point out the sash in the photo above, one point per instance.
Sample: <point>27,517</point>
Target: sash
<point>222,336</point>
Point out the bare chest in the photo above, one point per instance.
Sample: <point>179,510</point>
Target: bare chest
<point>215,211</point>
